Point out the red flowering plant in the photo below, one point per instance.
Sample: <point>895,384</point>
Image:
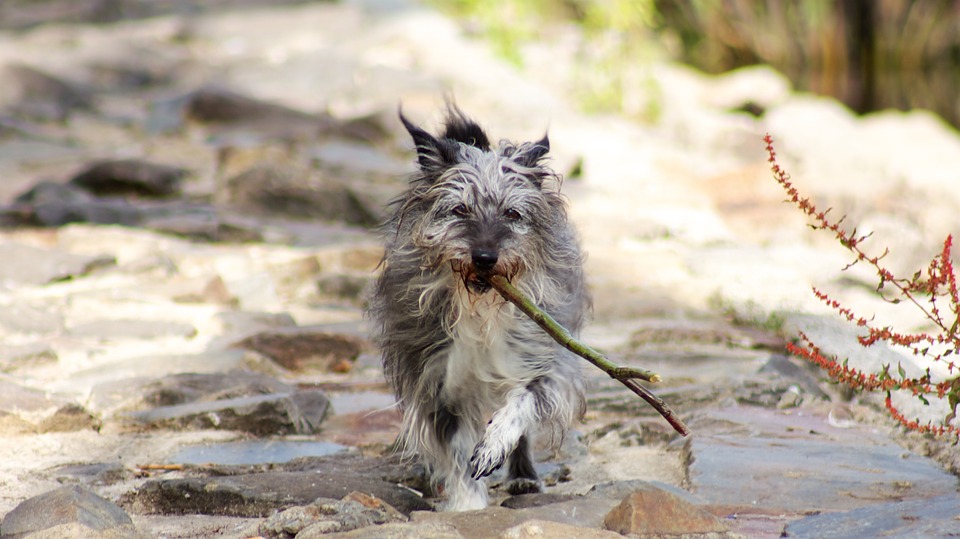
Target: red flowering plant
<point>933,292</point>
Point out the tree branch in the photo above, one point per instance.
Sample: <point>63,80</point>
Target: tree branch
<point>627,376</point>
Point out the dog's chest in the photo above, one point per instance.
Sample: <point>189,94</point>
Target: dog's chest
<point>485,350</point>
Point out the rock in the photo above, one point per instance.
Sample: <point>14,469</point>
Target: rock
<point>66,505</point>
<point>34,320</point>
<point>493,521</point>
<point>554,530</point>
<point>657,513</point>
<point>32,93</point>
<point>36,354</point>
<point>795,461</point>
<point>411,530</point>
<point>29,265</point>
<point>345,287</point>
<point>325,516</point>
<point>70,418</point>
<point>225,109</point>
<point>287,191</point>
<point>185,388</point>
<point>523,501</point>
<point>305,349</point>
<point>261,494</point>
<point>132,329</point>
<point>262,415</point>
<point>925,517</point>
<point>130,177</point>
<point>54,204</point>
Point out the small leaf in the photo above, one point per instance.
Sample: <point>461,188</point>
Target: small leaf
<point>900,371</point>
<point>923,400</point>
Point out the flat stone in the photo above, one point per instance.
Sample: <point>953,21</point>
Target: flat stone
<point>538,499</point>
<point>132,329</point>
<point>65,505</point>
<point>493,521</point>
<point>24,264</point>
<point>307,349</point>
<point>36,94</point>
<point>225,109</point>
<point>17,357</point>
<point>795,461</point>
<point>325,516</point>
<point>260,495</point>
<point>409,530</point>
<point>300,412</point>
<point>130,177</point>
<point>555,530</point>
<point>70,418</point>
<point>655,512</point>
<point>926,517</point>
<point>24,318</point>
<point>284,190</point>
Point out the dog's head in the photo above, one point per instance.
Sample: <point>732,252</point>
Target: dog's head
<point>483,210</point>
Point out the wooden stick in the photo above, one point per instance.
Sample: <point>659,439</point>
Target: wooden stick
<point>627,376</point>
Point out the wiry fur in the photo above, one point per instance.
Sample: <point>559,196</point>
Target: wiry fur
<point>476,378</point>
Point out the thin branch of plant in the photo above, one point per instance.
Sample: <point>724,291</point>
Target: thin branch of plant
<point>927,291</point>
<point>627,376</point>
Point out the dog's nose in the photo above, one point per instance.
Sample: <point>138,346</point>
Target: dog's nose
<point>484,260</point>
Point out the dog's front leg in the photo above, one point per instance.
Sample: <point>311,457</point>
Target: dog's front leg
<point>508,424</point>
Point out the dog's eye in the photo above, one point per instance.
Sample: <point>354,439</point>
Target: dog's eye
<point>512,214</point>
<point>460,210</point>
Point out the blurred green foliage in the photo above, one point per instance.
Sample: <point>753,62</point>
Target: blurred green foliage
<point>870,54</point>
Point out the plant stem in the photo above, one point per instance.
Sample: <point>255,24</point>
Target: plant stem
<point>627,376</point>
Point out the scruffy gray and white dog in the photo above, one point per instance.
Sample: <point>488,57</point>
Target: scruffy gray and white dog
<point>475,378</point>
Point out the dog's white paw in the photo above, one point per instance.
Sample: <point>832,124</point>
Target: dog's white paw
<point>486,458</point>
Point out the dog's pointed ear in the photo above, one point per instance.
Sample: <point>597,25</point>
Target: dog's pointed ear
<point>433,154</point>
<point>534,152</point>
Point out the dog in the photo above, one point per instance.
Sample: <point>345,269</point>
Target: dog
<point>475,378</point>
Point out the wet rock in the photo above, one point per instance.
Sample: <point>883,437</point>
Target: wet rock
<point>555,530</point>
<point>130,177</point>
<point>306,349</point>
<point>64,506</point>
<point>24,264</point>
<point>325,516</point>
<point>926,517</point>
<point>657,513</point>
<point>796,461</point>
<point>288,191</point>
<point>30,92</point>
<point>132,329</point>
<point>254,452</point>
<point>261,494</point>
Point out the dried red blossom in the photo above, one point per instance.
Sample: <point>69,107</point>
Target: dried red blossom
<point>927,293</point>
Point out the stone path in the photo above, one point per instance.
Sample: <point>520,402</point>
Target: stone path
<point>187,202</point>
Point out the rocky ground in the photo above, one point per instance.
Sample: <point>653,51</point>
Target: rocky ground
<point>188,199</point>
